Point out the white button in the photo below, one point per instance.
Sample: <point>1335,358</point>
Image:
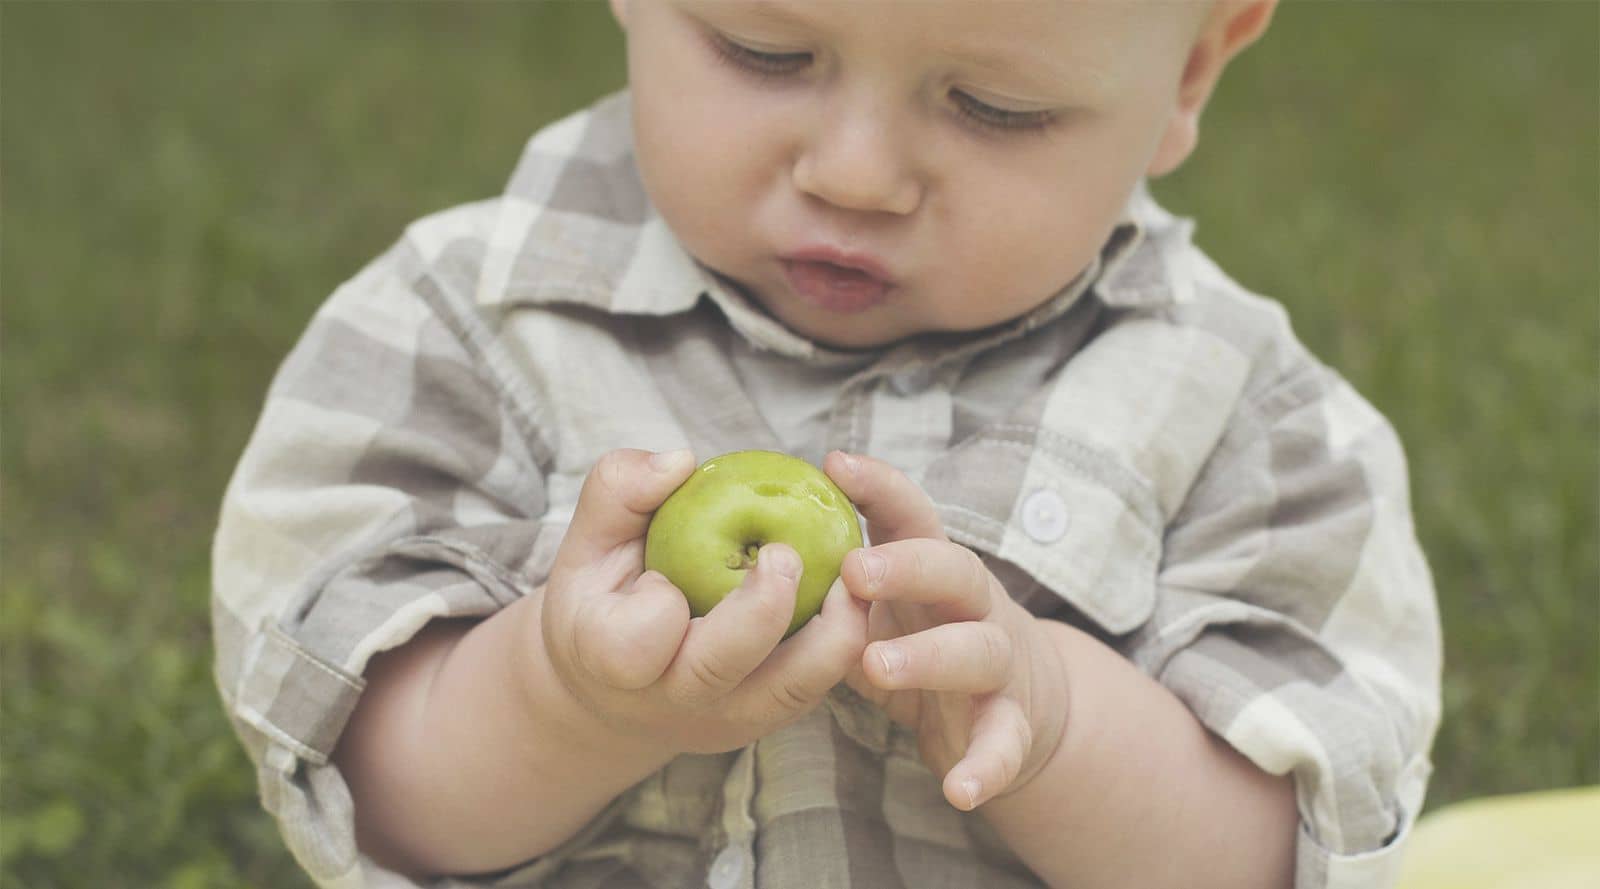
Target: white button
<point>911,382</point>
<point>1044,516</point>
<point>727,871</point>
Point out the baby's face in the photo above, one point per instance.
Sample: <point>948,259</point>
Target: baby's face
<point>866,171</point>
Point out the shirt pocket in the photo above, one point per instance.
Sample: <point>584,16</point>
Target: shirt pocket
<point>1076,487</point>
<point>1075,519</point>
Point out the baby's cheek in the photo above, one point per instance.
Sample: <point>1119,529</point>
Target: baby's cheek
<point>704,209</point>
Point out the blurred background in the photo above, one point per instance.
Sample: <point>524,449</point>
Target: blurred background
<point>181,184</point>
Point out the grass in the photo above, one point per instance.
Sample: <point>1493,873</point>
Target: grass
<point>183,183</point>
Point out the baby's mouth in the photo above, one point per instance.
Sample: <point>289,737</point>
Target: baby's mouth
<point>835,281</point>
<point>835,288</point>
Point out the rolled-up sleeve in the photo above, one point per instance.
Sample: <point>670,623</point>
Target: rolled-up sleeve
<point>1296,618</point>
<point>388,483</point>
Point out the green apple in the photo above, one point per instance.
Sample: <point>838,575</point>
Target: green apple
<point>704,538</point>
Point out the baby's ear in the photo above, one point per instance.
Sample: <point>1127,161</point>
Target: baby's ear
<point>1229,27</point>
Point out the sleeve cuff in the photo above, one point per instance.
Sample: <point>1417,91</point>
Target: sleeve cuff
<point>297,700</point>
<point>1317,867</point>
<point>314,810</point>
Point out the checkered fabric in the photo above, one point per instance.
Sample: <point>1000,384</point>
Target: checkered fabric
<point>1151,455</point>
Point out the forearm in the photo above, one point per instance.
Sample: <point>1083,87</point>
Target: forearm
<point>1139,793</point>
<point>467,755</point>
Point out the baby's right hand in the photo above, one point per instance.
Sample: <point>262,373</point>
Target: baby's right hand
<point>622,641</point>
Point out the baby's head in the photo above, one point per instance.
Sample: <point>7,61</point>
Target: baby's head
<point>870,170</point>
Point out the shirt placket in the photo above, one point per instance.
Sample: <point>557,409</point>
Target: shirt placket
<point>733,867</point>
<point>911,418</point>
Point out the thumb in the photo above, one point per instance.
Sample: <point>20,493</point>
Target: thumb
<point>618,497</point>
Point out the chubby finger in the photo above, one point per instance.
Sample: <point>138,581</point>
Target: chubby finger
<point>627,640</point>
<point>806,666</point>
<point>881,624</point>
<point>618,497</point>
<point>894,506</point>
<point>1001,739</point>
<point>974,657</point>
<point>723,647</point>
<point>938,573</point>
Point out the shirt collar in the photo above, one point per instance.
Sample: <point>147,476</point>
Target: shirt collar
<point>1151,268</point>
<point>576,227</point>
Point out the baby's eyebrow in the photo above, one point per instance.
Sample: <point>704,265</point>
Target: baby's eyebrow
<point>1047,70</point>
<point>1038,66</point>
<point>1078,80</point>
<point>767,10</point>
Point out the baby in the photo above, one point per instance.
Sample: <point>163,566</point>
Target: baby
<point>1141,606</point>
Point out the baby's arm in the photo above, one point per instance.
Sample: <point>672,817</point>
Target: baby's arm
<point>474,750</point>
<point>451,773</point>
<point>467,753</point>
<point>1139,793</point>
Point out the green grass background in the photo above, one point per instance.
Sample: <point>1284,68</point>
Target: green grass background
<point>181,184</point>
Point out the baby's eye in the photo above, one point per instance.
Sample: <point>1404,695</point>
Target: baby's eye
<point>982,113</point>
<point>755,61</point>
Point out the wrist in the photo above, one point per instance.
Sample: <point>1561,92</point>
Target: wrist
<point>1053,739</point>
<point>554,710</point>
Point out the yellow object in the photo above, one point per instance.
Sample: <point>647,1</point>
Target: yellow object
<point>1544,840</point>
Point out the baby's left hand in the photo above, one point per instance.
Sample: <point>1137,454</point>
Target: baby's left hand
<point>950,653</point>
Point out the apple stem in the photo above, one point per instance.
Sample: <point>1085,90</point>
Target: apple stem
<point>746,560</point>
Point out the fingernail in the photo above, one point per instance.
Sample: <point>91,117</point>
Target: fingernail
<point>851,464</point>
<point>892,657</point>
<point>666,460</point>
<point>784,562</point>
<point>875,566</point>
<point>971,787</point>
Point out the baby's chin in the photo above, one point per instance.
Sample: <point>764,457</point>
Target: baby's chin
<point>869,330</point>
<point>858,340</point>
<point>879,328</point>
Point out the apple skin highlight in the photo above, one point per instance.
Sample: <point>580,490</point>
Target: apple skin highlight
<point>705,536</point>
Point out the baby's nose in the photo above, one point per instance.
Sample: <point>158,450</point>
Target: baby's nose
<point>857,160</point>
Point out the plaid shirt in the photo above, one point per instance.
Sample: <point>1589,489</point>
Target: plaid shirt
<point>1150,455</point>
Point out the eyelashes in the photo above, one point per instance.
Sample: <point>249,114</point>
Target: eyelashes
<point>971,110</point>
<point>758,62</point>
<point>983,113</point>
